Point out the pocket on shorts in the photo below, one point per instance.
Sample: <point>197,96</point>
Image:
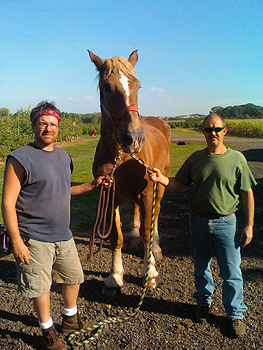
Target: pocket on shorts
<point>30,278</point>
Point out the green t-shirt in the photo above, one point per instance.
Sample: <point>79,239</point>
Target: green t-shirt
<point>218,180</point>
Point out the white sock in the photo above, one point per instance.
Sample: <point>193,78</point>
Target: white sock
<point>46,325</point>
<point>70,312</point>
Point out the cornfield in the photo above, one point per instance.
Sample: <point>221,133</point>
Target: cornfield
<point>245,128</point>
<point>236,127</point>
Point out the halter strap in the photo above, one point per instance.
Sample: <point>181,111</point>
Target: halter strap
<point>120,114</point>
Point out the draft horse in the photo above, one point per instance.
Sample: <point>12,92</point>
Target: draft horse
<point>124,132</point>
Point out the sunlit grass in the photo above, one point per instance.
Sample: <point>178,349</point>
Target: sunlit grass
<point>179,154</point>
<point>187,132</point>
<point>82,154</point>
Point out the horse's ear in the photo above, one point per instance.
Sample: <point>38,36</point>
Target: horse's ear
<point>133,57</point>
<point>96,60</point>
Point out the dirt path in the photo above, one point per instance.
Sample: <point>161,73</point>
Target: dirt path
<point>165,320</point>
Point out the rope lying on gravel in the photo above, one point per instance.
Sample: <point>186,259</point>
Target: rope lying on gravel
<point>110,320</point>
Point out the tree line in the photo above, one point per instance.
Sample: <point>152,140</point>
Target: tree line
<point>247,111</point>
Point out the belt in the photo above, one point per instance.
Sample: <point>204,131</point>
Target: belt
<point>211,216</point>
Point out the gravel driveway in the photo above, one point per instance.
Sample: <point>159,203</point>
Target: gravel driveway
<point>165,319</point>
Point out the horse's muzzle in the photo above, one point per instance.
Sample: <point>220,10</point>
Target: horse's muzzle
<point>132,142</point>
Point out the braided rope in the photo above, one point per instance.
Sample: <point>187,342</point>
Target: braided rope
<point>111,320</point>
<point>103,206</point>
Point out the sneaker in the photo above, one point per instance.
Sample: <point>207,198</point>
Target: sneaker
<point>51,339</point>
<point>202,314</point>
<point>237,328</point>
<point>74,323</point>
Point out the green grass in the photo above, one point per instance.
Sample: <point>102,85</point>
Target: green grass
<point>179,154</point>
<point>187,132</point>
<point>82,154</point>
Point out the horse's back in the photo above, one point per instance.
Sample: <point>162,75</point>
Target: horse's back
<point>156,151</point>
<point>158,124</point>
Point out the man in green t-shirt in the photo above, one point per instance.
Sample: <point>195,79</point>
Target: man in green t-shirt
<point>220,178</point>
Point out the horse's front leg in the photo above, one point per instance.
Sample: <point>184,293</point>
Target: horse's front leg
<point>134,234</point>
<point>149,269</point>
<point>145,231</point>
<point>157,251</point>
<point>115,279</point>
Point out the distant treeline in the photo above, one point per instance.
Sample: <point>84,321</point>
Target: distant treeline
<point>248,111</point>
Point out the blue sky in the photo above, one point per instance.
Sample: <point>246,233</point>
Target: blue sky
<point>193,54</point>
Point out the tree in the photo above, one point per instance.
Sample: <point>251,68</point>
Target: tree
<point>246,111</point>
<point>216,110</point>
<point>5,113</point>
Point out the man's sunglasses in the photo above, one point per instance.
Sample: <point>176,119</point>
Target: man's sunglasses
<point>209,130</point>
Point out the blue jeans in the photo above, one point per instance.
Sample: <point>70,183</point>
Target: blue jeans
<point>221,234</point>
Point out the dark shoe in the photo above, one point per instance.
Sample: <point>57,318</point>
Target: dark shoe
<point>237,328</point>
<point>74,323</point>
<point>202,314</point>
<point>51,340</point>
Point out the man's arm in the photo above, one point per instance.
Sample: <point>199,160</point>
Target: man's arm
<point>77,188</point>
<point>249,208</point>
<point>169,182</point>
<point>13,179</point>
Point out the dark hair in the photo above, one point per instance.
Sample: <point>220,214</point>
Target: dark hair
<point>43,106</point>
<point>217,115</point>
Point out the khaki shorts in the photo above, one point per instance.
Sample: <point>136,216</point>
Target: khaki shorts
<point>50,262</point>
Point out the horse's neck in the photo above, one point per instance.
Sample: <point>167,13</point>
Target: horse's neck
<point>110,143</point>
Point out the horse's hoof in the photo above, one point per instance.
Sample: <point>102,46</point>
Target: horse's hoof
<point>109,292</point>
<point>152,283</point>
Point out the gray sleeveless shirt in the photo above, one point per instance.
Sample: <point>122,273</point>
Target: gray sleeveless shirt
<point>43,204</point>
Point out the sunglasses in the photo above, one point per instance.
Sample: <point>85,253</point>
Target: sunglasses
<point>209,130</point>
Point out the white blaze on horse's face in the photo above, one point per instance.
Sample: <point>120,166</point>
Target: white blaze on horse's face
<point>125,83</point>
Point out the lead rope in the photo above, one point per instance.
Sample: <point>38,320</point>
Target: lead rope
<point>103,208</point>
<point>111,320</point>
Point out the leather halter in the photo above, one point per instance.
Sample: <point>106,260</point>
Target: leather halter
<point>117,117</point>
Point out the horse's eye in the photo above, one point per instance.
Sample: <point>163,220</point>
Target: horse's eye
<point>107,87</point>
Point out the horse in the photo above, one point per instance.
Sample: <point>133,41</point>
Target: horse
<point>124,133</point>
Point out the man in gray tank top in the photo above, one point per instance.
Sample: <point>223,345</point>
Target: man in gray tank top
<point>36,211</point>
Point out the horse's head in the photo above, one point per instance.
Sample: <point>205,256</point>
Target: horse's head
<point>119,100</point>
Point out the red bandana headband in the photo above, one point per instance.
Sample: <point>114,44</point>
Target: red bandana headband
<point>49,112</point>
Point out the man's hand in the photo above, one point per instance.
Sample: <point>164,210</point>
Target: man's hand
<point>156,176</point>
<point>107,181</point>
<point>21,253</point>
<point>246,235</point>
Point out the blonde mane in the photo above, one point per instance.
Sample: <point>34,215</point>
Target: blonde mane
<point>117,65</point>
